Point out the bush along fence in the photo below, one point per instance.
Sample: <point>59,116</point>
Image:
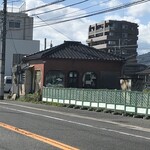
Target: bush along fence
<point>137,103</point>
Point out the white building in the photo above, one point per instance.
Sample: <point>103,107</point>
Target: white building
<point>19,38</point>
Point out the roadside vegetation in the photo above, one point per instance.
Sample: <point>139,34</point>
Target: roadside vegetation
<point>36,98</point>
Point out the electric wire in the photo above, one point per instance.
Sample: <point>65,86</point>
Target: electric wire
<point>56,29</point>
<point>13,1</point>
<point>125,5</point>
<point>118,7</point>
<point>60,16</point>
<point>42,6</point>
<point>74,4</point>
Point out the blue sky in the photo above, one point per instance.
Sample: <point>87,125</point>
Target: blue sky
<point>78,29</point>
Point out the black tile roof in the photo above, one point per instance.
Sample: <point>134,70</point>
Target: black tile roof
<point>73,50</point>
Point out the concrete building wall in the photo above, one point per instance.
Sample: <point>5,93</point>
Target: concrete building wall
<point>20,47</point>
<point>19,37</point>
<point>19,26</point>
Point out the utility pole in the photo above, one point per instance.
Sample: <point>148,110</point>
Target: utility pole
<point>3,49</point>
<point>45,43</point>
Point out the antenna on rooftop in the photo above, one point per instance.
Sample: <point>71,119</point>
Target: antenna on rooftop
<point>51,44</point>
<point>22,7</point>
<point>45,41</point>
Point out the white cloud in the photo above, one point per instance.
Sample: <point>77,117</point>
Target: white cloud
<point>144,36</point>
<point>111,3</point>
<point>33,4</point>
<point>144,31</point>
<point>139,10</point>
<point>118,17</point>
<point>78,29</point>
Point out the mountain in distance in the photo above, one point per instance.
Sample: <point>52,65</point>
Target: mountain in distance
<point>144,59</point>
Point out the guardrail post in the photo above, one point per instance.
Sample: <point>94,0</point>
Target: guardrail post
<point>52,92</point>
<point>47,93</point>
<point>115,98</point>
<point>148,100</point>
<point>136,104</point>
<point>125,102</point>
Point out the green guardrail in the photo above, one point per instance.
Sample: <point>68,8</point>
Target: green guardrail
<point>116,100</point>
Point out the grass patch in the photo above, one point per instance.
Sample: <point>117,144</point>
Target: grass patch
<point>36,98</point>
<point>30,98</point>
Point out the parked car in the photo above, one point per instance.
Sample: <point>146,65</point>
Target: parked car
<point>7,83</point>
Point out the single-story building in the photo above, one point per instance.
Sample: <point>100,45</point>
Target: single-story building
<point>132,76</point>
<point>145,75</point>
<point>71,64</point>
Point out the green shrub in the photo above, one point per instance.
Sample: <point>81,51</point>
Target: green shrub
<point>35,97</point>
<point>146,91</point>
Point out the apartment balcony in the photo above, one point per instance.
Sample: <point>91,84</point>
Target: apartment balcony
<point>96,39</point>
<point>92,33</point>
<point>110,29</point>
<point>101,46</point>
<point>96,32</point>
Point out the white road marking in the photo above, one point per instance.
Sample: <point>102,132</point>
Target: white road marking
<point>77,123</point>
<point>83,117</point>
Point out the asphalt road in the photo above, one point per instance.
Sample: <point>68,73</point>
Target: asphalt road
<point>27,126</point>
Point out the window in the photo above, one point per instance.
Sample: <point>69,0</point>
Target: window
<point>54,78</point>
<point>113,26</point>
<point>98,43</point>
<point>99,34</point>
<point>14,24</point>
<point>99,27</point>
<point>89,80</point>
<point>9,81</point>
<point>91,36</point>
<point>124,26</point>
<point>112,42</point>
<point>125,35</point>
<point>124,51</point>
<point>111,33</point>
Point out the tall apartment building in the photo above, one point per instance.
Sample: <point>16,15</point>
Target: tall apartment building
<point>118,37</point>
<point>19,37</point>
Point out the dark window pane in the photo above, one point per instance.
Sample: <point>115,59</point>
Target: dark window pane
<point>9,81</point>
<point>11,24</point>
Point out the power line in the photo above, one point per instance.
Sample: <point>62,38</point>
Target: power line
<point>55,2</point>
<point>60,8</point>
<point>125,5</point>
<point>55,29</point>
<point>14,1</point>
<point>59,17</point>
<point>101,12</point>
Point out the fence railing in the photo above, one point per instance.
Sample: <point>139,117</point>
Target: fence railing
<point>116,100</point>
